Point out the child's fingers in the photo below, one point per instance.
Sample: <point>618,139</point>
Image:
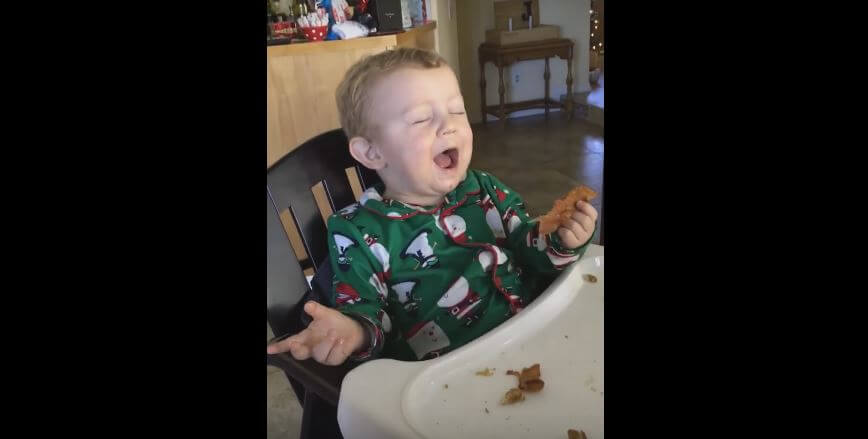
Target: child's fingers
<point>278,347</point>
<point>338,354</point>
<point>324,317</point>
<point>568,237</point>
<point>295,345</point>
<point>299,351</point>
<point>322,349</point>
<point>588,209</point>
<point>313,309</point>
<point>298,344</point>
<point>281,345</point>
<point>576,227</point>
<point>584,220</point>
<point>318,327</point>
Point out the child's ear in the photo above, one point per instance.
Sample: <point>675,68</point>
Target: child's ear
<point>367,154</point>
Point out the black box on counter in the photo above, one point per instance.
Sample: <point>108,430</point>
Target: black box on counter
<point>388,14</point>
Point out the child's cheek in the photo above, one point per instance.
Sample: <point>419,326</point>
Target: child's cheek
<point>417,145</point>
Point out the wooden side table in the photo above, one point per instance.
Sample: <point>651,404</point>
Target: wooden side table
<point>502,56</point>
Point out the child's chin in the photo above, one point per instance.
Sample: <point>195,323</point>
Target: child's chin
<point>449,183</point>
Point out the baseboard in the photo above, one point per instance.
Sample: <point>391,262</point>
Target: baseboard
<point>585,111</point>
<point>522,113</point>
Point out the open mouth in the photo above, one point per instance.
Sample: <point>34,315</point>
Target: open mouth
<point>447,159</point>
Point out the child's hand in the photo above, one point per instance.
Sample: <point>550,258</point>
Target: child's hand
<point>580,227</point>
<point>330,338</point>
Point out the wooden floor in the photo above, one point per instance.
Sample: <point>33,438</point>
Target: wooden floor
<point>541,159</point>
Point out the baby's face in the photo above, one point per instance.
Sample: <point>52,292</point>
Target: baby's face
<point>420,127</point>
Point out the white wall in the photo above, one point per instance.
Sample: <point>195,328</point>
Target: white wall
<point>446,34</point>
<point>476,16</point>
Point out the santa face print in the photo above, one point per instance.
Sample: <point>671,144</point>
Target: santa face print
<point>380,252</point>
<point>380,286</point>
<point>485,257</point>
<point>456,227</point>
<point>535,239</point>
<point>512,219</point>
<point>492,218</point>
<point>427,339</point>
<point>460,300</point>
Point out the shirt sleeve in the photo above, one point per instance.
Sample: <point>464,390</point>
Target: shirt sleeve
<point>539,253</point>
<point>359,285</point>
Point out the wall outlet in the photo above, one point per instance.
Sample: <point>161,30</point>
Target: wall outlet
<point>516,78</point>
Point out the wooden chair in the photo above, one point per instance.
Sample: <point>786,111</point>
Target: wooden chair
<point>303,189</point>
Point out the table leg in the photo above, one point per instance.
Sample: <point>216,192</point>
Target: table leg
<point>502,90</point>
<point>547,75</point>
<point>482,86</point>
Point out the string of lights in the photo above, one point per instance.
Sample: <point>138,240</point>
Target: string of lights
<point>596,36</point>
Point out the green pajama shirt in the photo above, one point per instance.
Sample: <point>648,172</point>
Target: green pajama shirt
<point>427,280</point>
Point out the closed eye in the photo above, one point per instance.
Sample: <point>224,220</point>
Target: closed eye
<point>457,112</point>
<point>421,121</point>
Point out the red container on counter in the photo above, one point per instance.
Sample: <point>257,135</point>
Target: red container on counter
<point>282,29</point>
<point>315,33</point>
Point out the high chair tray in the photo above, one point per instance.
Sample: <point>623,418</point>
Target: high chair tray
<point>445,398</point>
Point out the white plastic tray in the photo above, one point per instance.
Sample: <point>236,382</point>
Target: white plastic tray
<point>444,398</point>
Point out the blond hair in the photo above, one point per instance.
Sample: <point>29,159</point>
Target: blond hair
<point>352,92</point>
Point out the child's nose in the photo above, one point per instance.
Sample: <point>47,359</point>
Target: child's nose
<point>448,130</point>
<point>447,127</point>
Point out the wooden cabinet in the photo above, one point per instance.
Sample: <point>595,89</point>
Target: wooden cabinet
<point>302,79</point>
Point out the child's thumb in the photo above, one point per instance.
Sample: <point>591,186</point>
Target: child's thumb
<point>313,309</point>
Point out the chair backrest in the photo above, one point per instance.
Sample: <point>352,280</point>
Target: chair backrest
<point>600,217</point>
<point>304,188</point>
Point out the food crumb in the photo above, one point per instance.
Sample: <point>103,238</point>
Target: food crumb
<point>528,379</point>
<point>573,434</point>
<point>485,372</point>
<point>512,396</point>
<point>590,278</point>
